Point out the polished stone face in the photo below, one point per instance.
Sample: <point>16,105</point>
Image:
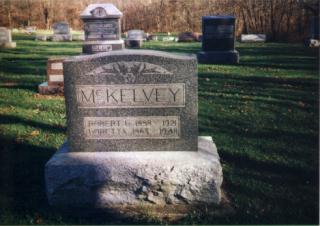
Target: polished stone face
<point>218,33</point>
<point>102,29</point>
<point>132,100</point>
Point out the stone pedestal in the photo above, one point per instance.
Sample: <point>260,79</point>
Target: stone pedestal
<point>92,47</point>
<point>8,45</point>
<point>61,38</point>
<point>218,57</point>
<point>46,89</point>
<point>133,43</point>
<point>118,180</point>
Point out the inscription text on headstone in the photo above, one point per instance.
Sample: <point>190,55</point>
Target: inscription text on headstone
<point>143,127</point>
<point>131,96</point>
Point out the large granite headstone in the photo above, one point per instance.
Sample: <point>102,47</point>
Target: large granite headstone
<point>133,136</point>
<point>142,99</point>
<point>218,40</point>
<point>61,32</point>
<point>102,28</point>
<point>135,38</point>
<point>6,38</point>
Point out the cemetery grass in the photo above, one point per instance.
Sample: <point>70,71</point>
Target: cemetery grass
<point>262,115</point>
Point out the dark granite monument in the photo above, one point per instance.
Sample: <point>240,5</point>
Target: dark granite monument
<point>314,28</point>
<point>6,38</point>
<point>61,32</point>
<point>102,28</point>
<point>218,40</point>
<point>133,136</point>
<point>135,38</point>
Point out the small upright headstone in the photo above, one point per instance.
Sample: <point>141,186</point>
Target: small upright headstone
<point>31,29</point>
<point>102,28</point>
<point>152,38</point>
<point>61,32</point>
<point>54,82</point>
<point>132,127</point>
<point>135,38</point>
<point>6,38</point>
<point>218,40</point>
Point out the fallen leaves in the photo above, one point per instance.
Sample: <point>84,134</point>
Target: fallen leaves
<point>35,133</point>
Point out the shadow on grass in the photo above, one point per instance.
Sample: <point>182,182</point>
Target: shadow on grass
<point>32,88</point>
<point>260,81</point>
<point>22,176</point>
<point>9,119</point>
<point>23,192</point>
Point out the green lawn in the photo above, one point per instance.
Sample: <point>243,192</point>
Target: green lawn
<point>262,115</point>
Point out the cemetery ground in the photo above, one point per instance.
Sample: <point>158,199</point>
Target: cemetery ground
<point>262,115</point>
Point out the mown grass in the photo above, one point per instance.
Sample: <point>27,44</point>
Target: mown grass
<point>262,115</point>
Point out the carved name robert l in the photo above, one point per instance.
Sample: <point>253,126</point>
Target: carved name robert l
<point>133,95</point>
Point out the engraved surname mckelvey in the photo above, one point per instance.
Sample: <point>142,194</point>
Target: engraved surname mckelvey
<point>131,96</point>
<point>142,127</point>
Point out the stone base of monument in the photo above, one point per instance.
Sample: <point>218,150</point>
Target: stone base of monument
<point>91,47</point>
<point>218,57</point>
<point>61,38</point>
<point>115,181</point>
<point>8,45</point>
<point>132,43</point>
<point>46,89</point>
<point>40,37</point>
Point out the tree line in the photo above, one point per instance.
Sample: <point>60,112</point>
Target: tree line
<point>281,20</point>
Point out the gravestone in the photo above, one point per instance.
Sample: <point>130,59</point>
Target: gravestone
<point>61,32</point>
<point>188,37</point>
<point>314,28</point>
<point>41,37</point>
<point>218,40</point>
<point>169,39</point>
<point>6,38</point>
<point>102,28</point>
<point>54,82</point>
<point>135,38</point>
<point>253,38</point>
<point>31,29</point>
<point>313,40</point>
<point>133,136</point>
<point>78,37</point>
<point>152,38</point>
